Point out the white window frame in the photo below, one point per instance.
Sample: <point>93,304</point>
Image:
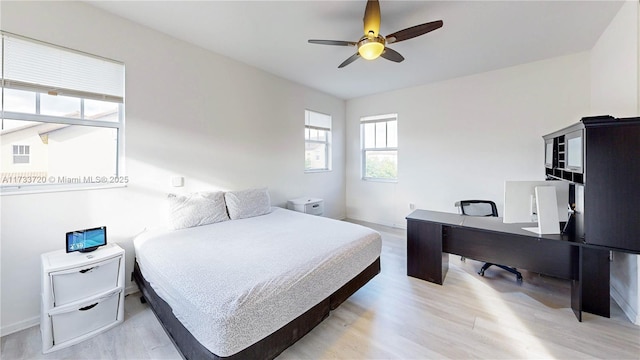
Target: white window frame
<point>376,119</point>
<point>327,142</point>
<point>23,151</point>
<point>29,186</point>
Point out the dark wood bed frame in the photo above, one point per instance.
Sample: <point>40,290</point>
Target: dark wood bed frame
<point>267,348</point>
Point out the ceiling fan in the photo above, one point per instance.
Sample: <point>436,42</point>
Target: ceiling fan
<point>373,45</point>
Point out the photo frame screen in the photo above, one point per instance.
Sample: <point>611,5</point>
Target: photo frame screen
<point>87,239</point>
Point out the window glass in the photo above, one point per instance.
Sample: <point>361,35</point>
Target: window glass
<point>314,156</point>
<point>101,110</point>
<point>19,101</point>
<point>381,134</point>
<point>381,164</point>
<point>63,106</point>
<point>317,150</point>
<point>369,135</point>
<point>9,124</point>
<point>61,153</point>
<point>314,134</point>
<point>392,134</point>
<point>380,147</point>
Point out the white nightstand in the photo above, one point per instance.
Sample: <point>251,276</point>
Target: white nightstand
<point>82,295</point>
<point>311,206</point>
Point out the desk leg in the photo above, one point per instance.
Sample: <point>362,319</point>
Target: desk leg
<point>596,281</point>
<point>425,259</point>
<point>590,292</point>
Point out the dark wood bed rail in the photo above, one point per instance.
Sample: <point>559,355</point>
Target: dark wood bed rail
<point>267,348</point>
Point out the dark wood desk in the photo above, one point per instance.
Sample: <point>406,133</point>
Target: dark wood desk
<point>432,235</point>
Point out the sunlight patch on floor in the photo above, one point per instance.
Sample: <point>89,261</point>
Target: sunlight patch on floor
<point>506,321</point>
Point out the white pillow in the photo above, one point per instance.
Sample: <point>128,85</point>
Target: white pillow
<point>196,209</point>
<point>247,203</point>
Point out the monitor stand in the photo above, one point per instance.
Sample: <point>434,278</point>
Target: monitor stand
<point>547,209</point>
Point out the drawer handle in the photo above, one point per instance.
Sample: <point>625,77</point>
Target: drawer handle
<point>88,307</point>
<point>316,205</point>
<point>87,270</point>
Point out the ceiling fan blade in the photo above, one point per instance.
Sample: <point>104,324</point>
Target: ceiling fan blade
<point>372,18</point>
<point>351,59</point>
<point>413,31</point>
<point>392,55</point>
<point>333,42</point>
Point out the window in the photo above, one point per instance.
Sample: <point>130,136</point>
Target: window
<point>62,117</point>
<point>20,154</point>
<point>317,141</point>
<point>379,138</point>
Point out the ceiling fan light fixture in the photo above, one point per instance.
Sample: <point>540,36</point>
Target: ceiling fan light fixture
<point>371,48</point>
<point>373,45</point>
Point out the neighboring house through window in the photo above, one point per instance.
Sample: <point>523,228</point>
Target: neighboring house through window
<point>63,117</point>
<point>317,139</point>
<point>20,154</point>
<point>379,139</point>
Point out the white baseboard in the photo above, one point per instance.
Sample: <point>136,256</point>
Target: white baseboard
<point>131,289</point>
<point>627,308</point>
<point>400,226</point>
<point>21,325</point>
<point>34,321</point>
<point>380,222</point>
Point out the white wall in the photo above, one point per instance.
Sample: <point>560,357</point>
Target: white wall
<point>219,123</point>
<point>462,138</point>
<point>615,77</point>
<point>614,66</point>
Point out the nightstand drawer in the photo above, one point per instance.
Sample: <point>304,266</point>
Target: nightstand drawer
<point>311,206</point>
<point>72,285</point>
<point>85,318</point>
<point>315,208</point>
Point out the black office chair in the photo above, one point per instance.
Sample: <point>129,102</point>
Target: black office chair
<point>484,208</point>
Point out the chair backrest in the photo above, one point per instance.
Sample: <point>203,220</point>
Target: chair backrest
<point>478,207</point>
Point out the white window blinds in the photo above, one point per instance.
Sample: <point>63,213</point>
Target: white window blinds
<point>36,66</point>
<point>317,120</point>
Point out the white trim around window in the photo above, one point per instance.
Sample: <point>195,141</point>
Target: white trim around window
<point>379,146</point>
<point>64,111</point>
<point>317,142</point>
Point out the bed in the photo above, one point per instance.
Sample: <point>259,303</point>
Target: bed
<point>249,288</point>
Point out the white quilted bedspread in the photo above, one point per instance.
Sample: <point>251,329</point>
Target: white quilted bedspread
<point>235,282</point>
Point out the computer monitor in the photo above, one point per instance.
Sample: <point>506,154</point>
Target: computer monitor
<point>520,205</point>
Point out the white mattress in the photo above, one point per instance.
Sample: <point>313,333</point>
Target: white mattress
<point>235,282</point>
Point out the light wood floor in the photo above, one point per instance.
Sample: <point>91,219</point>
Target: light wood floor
<point>395,316</point>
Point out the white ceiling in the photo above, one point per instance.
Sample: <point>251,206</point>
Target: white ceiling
<point>477,36</point>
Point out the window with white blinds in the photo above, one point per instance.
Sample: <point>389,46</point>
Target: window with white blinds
<point>40,67</point>
<point>317,139</point>
<point>67,108</point>
<point>379,139</point>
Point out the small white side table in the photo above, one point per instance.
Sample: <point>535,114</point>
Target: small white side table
<point>307,205</point>
<point>82,295</point>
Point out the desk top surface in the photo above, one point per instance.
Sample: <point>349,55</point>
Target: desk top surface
<point>485,223</point>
